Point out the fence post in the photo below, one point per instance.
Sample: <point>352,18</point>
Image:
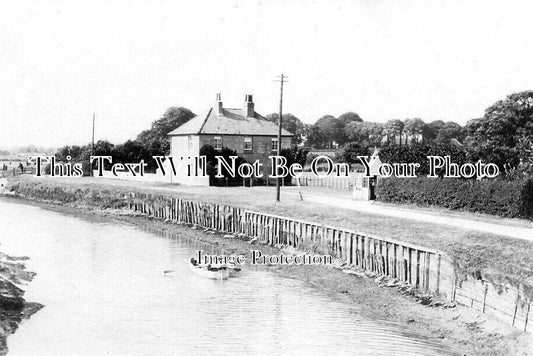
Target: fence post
<point>426,272</point>
<point>527,315</point>
<point>437,287</point>
<point>485,298</point>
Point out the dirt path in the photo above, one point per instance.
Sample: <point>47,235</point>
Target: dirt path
<point>406,213</point>
<point>370,207</point>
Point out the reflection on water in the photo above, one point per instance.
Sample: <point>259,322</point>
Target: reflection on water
<point>105,293</point>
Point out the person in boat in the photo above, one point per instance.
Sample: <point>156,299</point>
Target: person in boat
<point>211,268</point>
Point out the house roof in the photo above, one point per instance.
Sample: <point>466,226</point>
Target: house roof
<point>233,122</point>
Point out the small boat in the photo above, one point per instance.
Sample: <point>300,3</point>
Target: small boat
<point>233,270</point>
<point>210,272</point>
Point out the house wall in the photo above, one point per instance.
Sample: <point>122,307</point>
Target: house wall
<point>261,148</point>
<point>185,146</point>
<point>261,145</point>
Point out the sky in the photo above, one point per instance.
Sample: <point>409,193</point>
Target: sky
<point>128,61</point>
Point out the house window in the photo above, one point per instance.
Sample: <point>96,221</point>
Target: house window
<point>274,144</point>
<point>218,143</point>
<point>247,143</point>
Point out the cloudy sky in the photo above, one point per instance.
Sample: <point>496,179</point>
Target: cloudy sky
<point>128,61</point>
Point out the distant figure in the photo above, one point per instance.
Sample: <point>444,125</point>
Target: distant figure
<point>21,168</point>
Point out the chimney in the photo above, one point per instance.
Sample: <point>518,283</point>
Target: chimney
<point>218,106</point>
<point>248,106</point>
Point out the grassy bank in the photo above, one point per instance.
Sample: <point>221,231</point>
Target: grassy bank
<point>496,258</point>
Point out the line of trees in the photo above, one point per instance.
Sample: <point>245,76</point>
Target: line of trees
<point>331,132</point>
<point>151,142</point>
<point>334,132</point>
<point>504,135</point>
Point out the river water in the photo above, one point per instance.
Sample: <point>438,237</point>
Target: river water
<point>105,293</point>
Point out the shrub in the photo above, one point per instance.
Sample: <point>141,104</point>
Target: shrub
<point>294,155</point>
<point>211,154</point>
<point>527,199</point>
<point>419,152</point>
<point>496,197</point>
<point>351,151</point>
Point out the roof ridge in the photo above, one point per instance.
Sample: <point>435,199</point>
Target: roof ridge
<point>205,120</point>
<point>232,122</point>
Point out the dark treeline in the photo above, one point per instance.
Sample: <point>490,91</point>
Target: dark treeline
<point>152,142</point>
<point>504,135</point>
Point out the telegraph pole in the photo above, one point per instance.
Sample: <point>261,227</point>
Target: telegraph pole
<point>282,79</point>
<point>92,147</point>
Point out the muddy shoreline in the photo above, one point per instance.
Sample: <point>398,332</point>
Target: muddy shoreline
<point>13,307</point>
<point>461,329</point>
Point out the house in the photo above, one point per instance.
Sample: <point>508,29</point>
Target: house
<point>243,130</point>
<point>403,139</point>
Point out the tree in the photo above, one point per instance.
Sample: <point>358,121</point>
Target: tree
<point>133,151</point>
<point>344,120</point>
<point>330,128</point>
<point>315,137</point>
<point>350,152</point>
<point>505,132</point>
<point>294,154</point>
<point>103,148</point>
<point>365,131</point>
<point>348,117</point>
<point>414,127</point>
<point>148,143</point>
<point>156,139</point>
<point>74,152</point>
<point>431,131</point>
<point>448,131</point>
<point>292,124</point>
<point>393,129</point>
<point>78,154</point>
<point>353,131</point>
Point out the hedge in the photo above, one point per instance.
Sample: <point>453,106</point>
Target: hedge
<point>511,199</point>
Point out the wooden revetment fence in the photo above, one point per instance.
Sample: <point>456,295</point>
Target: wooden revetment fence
<point>424,268</point>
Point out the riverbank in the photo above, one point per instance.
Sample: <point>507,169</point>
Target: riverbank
<point>495,258</point>
<point>459,328</point>
<point>13,308</point>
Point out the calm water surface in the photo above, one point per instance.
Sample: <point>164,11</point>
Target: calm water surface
<point>105,293</point>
